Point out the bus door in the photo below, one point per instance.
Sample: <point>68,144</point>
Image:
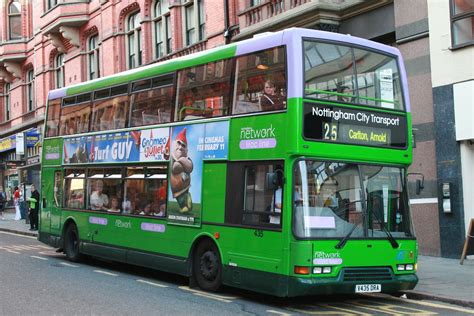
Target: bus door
<point>255,195</point>
<point>51,192</point>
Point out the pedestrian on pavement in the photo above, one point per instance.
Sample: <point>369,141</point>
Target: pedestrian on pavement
<point>3,201</point>
<point>16,202</point>
<point>34,207</point>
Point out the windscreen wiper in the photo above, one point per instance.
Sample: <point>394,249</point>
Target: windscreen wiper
<point>392,240</point>
<point>343,241</point>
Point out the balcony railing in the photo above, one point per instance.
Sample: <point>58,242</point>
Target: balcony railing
<point>266,10</point>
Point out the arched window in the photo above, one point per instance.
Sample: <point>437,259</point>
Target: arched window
<point>59,69</point>
<point>134,40</point>
<point>30,90</point>
<point>6,94</point>
<point>14,20</point>
<point>93,57</point>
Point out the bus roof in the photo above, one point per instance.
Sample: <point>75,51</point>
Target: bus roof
<point>263,41</point>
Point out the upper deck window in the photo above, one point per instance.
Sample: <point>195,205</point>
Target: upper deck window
<point>261,82</point>
<point>52,122</point>
<point>153,101</point>
<point>204,91</point>
<point>351,75</point>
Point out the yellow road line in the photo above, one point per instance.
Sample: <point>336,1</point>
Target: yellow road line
<point>344,309</point>
<point>226,299</point>
<point>453,308</point>
<point>391,309</point>
<point>320,313</point>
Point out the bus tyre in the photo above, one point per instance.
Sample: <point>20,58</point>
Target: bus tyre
<point>71,244</point>
<point>207,267</point>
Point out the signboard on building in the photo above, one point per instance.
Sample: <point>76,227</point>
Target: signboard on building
<point>7,143</point>
<point>20,143</point>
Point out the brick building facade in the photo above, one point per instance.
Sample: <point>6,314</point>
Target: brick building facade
<point>46,44</point>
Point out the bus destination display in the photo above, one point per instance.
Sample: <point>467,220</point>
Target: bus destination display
<point>330,123</point>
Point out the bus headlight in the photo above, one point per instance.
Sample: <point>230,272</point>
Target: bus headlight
<point>400,267</point>
<point>327,270</point>
<point>409,267</point>
<point>317,270</point>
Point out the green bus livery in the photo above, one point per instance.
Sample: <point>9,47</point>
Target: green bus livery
<point>277,164</point>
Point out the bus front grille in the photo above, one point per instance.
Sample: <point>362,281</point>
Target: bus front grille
<point>367,274</point>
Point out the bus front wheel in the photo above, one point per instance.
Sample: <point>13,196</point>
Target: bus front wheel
<point>71,244</point>
<point>207,266</point>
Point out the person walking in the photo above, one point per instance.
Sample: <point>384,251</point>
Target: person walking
<point>34,207</point>
<point>3,201</point>
<point>16,202</point>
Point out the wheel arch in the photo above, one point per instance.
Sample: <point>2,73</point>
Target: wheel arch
<point>196,241</point>
<point>69,221</point>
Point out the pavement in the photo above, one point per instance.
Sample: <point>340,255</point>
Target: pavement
<point>441,279</point>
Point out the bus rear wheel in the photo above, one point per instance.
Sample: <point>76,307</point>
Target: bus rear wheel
<point>71,243</point>
<point>207,266</point>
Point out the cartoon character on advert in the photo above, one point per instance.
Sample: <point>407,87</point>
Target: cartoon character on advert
<point>181,168</point>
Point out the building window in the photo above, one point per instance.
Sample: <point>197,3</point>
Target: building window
<point>30,90</point>
<point>159,10</point>
<point>7,101</point>
<point>51,3</point>
<point>134,40</point>
<point>168,27</point>
<point>14,20</point>
<point>254,3</point>
<point>190,25</point>
<point>93,57</point>
<point>201,19</point>
<point>462,22</point>
<point>59,68</point>
<point>195,20</point>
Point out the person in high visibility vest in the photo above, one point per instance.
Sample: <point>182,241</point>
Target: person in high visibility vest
<point>34,207</point>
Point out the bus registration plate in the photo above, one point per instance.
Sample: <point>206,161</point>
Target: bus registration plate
<point>368,288</point>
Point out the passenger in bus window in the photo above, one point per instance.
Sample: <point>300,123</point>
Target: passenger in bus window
<point>271,99</point>
<point>114,205</point>
<point>98,199</point>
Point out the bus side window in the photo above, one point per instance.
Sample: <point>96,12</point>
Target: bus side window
<point>153,106</point>
<point>204,91</point>
<point>52,121</point>
<point>260,82</point>
<point>251,201</point>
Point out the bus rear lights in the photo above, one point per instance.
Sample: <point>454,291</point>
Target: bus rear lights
<point>301,270</point>
<point>322,270</point>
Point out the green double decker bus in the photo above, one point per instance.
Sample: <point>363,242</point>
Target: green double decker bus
<point>277,164</point>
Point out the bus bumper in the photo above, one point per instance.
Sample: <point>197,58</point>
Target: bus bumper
<point>314,286</point>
